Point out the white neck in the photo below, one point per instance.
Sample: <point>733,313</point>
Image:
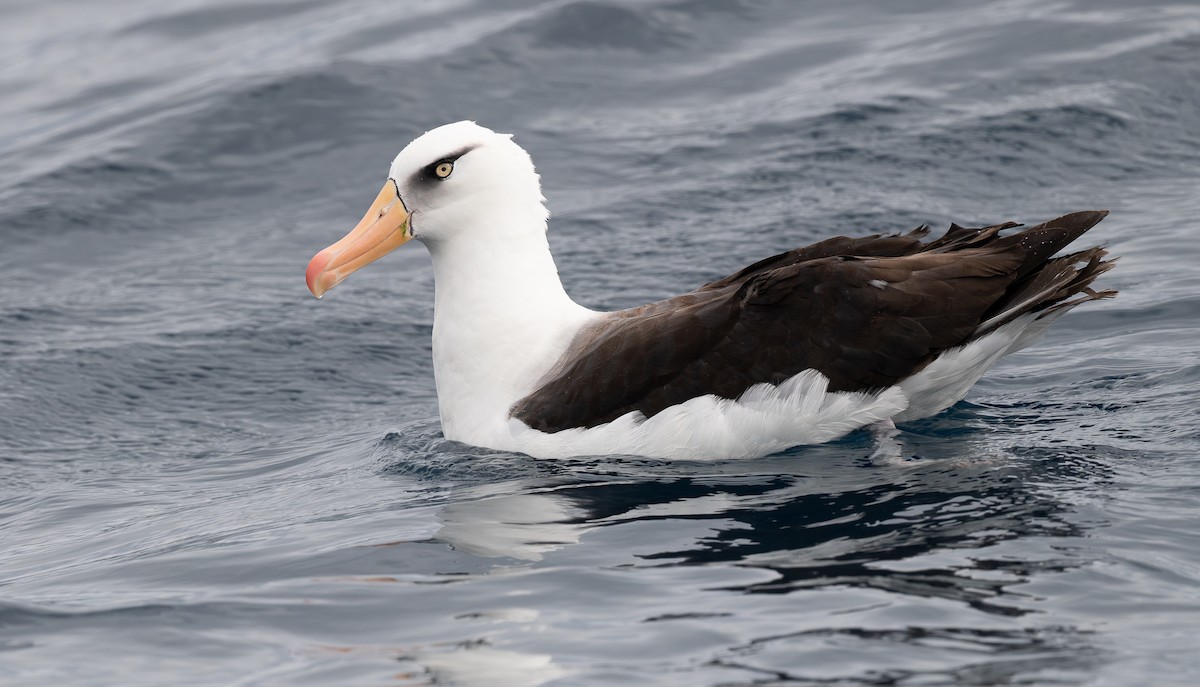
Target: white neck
<point>501,320</point>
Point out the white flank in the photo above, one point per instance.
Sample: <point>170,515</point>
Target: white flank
<point>766,419</point>
<point>946,380</point>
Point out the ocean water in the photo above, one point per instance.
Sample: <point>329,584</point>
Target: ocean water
<point>209,477</point>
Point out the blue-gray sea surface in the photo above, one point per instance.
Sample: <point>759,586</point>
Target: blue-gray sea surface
<point>209,477</point>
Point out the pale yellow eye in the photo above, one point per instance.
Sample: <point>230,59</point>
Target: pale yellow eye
<point>443,169</point>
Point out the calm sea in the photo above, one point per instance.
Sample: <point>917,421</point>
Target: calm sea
<point>208,477</point>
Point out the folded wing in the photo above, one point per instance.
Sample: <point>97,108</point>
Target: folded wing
<point>864,312</point>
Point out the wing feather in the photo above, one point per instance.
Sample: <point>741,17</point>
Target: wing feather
<point>865,312</point>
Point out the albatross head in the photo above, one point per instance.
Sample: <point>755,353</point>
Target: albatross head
<point>458,182</point>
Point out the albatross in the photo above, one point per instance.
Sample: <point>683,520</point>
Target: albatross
<point>798,348</point>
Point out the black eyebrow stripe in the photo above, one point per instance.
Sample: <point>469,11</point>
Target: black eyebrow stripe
<point>453,157</point>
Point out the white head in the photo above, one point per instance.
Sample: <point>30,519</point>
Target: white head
<point>458,182</point>
<point>457,174</point>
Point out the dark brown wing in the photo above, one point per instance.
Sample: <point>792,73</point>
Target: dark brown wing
<point>865,320</point>
<point>866,246</point>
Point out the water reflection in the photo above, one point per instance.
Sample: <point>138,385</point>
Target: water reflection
<point>520,526</point>
<point>967,531</point>
<point>476,663</point>
<point>910,527</point>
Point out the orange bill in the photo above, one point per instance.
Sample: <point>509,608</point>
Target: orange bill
<point>383,229</point>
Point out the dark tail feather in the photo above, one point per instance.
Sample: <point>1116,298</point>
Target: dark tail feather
<point>1053,288</point>
<point>1044,240</point>
<point>1080,284</point>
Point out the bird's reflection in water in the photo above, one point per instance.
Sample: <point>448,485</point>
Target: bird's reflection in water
<point>964,530</point>
<point>521,526</point>
<point>476,663</point>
